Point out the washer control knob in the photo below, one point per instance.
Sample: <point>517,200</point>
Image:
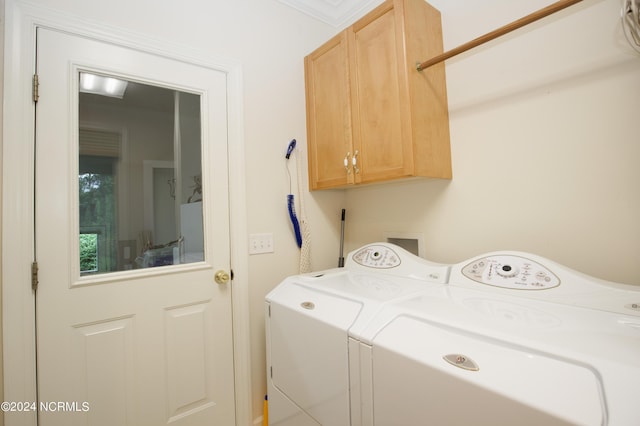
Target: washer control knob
<point>507,271</point>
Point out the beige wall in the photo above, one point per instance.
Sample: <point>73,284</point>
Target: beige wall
<point>544,141</point>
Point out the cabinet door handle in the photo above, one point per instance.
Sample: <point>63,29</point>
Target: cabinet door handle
<point>354,162</point>
<point>346,162</point>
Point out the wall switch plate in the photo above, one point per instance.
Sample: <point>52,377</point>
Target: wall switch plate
<point>260,243</point>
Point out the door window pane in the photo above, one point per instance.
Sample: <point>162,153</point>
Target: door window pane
<point>140,185</point>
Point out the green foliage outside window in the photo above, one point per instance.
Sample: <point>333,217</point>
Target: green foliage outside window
<point>88,252</point>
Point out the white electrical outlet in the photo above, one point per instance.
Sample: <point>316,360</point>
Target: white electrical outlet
<point>260,243</point>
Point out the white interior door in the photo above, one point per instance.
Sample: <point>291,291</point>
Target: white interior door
<point>143,335</point>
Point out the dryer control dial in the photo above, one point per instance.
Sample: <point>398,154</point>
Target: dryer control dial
<point>507,271</point>
<point>512,272</point>
<point>377,256</point>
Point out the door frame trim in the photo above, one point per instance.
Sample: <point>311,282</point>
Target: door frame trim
<point>18,301</point>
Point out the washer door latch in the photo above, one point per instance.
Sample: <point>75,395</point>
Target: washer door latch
<point>461,361</point>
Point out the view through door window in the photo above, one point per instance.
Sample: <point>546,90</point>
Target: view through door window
<point>140,176</point>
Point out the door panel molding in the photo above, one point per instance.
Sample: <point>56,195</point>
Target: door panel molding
<point>92,342</point>
<point>18,201</point>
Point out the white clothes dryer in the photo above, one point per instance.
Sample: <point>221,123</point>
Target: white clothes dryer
<point>310,321</point>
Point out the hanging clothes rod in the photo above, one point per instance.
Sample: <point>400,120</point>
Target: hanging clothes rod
<point>546,11</point>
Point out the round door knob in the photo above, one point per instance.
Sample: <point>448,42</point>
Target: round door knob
<point>222,277</point>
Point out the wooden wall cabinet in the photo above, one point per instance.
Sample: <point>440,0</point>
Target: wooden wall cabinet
<point>371,116</point>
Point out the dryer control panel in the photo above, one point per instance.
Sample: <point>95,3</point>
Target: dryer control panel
<point>389,259</point>
<point>377,256</point>
<point>510,271</point>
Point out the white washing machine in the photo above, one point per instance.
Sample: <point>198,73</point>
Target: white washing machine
<point>512,339</point>
<point>502,339</point>
<point>309,321</point>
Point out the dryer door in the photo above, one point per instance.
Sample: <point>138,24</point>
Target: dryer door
<point>308,357</point>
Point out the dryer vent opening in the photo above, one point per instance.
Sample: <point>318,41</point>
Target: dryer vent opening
<point>413,243</point>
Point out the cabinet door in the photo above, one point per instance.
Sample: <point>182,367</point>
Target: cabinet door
<point>381,115</point>
<point>329,115</point>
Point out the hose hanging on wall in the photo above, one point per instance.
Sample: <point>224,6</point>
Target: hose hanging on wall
<point>300,227</point>
<point>290,201</point>
<point>294,219</point>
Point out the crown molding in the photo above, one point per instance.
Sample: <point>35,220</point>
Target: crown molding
<point>337,13</point>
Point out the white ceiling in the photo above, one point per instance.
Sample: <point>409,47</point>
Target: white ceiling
<point>334,12</point>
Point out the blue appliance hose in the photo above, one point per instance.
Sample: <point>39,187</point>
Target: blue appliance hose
<point>294,219</point>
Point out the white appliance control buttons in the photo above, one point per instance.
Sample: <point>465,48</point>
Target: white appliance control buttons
<point>377,256</point>
<point>510,271</point>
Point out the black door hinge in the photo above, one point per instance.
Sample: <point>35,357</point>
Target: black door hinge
<point>34,276</point>
<point>36,83</point>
